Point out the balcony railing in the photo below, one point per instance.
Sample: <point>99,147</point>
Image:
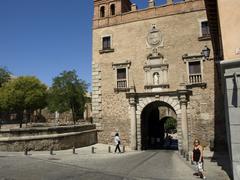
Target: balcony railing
<point>205,32</point>
<point>121,83</point>
<point>195,78</point>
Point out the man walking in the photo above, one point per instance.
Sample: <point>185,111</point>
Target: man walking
<point>117,143</point>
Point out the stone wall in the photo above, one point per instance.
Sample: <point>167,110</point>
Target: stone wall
<point>38,139</point>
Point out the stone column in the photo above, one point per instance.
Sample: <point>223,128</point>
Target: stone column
<point>182,95</point>
<point>133,124</point>
<point>183,102</point>
<point>165,76</point>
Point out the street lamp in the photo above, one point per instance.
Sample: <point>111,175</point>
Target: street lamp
<point>206,52</point>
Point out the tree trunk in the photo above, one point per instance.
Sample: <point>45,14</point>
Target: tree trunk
<point>20,118</point>
<point>73,115</point>
<point>28,114</point>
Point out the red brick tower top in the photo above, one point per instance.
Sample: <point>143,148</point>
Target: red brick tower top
<point>108,8</point>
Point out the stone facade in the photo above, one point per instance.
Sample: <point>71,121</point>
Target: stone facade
<point>156,47</point>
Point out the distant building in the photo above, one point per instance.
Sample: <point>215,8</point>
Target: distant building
<point>151,64</point>
<point>224,27</point>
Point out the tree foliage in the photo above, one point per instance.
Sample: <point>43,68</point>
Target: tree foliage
<point>68,93</point>
<point>5,76</point>
<point>170,125</point>
<point>23,93</point>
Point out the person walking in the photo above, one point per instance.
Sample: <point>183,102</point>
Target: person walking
<point>197,159</point>
<point>117,142</point>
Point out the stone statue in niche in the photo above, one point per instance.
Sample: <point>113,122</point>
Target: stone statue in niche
<point>155,78</point>
<point>155,52</point>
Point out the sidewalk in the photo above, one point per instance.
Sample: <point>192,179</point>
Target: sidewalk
<point>212,168</point>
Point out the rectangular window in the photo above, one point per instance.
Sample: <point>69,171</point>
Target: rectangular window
<point>106,43</point>
<point>195,75</point>
<point>121,78</point>
<point>205,28</point>
<point>194,67</point>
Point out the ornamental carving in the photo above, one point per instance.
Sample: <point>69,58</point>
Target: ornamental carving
<point>154,38</point>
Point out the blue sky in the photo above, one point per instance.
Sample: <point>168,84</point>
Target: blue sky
<point>44,37</point>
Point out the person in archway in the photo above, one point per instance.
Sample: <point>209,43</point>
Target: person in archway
<point>117,143</point>
<point>197,158</point>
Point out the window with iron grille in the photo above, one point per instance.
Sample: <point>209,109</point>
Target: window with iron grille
<point>205,28</point>
<point>106,43</point>
<point>121,78</point>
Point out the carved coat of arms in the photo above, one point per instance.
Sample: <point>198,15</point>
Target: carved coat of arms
<point>154,38</point>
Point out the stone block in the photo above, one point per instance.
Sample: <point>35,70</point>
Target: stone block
<point>96,92</point>
<point>95,88</point>
<point>235,152</point>
<point>95,73</point>
<point>204,116</point>
<point>235,133</point>
<point>236,170</point>
<point>95,96</point>
<point>174,103</point>
<point>96,84</point>
<point>234,115</point>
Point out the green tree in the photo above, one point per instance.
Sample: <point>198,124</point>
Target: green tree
<point>23,94</point>
<point>170,125</point>
<point>5,76</point>
<point>68,92</point>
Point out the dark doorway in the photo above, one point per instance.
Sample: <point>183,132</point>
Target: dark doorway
<point>154,117</point>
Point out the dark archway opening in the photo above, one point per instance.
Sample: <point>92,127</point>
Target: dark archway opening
<point>155,118</point>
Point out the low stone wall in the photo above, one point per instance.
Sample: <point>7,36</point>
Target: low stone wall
<point>38,139</point>
<point>33,131</point>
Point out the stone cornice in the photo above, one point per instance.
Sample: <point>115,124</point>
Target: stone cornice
<point>155,65</point>
<point>230,63</point>
<point>46,136</point>
<point>164,93</point>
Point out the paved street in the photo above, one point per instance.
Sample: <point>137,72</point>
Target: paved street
<point>102,165</point>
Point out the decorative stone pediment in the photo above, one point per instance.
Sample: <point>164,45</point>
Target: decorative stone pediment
<point>156,72</point>
<point>193,57</point>
<point>125,64</point>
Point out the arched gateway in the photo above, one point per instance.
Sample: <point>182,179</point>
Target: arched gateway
<point>153,119</point>
<point>144,104</point>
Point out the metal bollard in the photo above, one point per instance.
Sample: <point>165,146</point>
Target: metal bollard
<point>26,151</point>
<point>74,152</point>
<point>187,157</point>
<point>123,149</point>
<point>51,151</point>
<point>93,148</point>
<point>109,149</point>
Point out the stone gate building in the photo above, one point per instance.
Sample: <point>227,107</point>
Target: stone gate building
<point>152,60</point>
